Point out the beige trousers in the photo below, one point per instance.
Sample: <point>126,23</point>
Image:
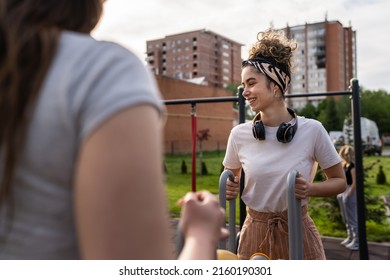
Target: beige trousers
<point>267,233</point>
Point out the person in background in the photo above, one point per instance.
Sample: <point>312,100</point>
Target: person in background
<point>81,145</point>
<point>347,199</point>
<point>268,148</point>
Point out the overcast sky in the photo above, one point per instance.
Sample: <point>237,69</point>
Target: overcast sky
<point>132,22</point>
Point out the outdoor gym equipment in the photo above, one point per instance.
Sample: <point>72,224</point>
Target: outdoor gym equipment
<point>294,220</point>
<point>232,210</point>
<point>354,92</point>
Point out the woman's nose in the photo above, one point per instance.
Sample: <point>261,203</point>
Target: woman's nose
<point>245,93</point>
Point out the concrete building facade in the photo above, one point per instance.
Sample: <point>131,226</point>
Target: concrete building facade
<point>200,56</point>
<point>324,61</point>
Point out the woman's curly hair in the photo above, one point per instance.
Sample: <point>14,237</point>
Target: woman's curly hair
<point>274,44</point>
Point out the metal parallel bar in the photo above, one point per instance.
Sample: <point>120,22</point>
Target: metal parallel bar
<point>201,100</point>
<point>242,177</point>
<point>363,248</point>
<point>232,210</point>
<point>295,242</point>
<point>330,93</point>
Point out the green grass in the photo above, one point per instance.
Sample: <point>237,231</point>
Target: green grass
<point>179,184</point>
<point>324,211</point>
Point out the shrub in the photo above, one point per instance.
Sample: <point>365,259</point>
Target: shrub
<point>204,169</point>
<point>381,177</point>
<point>183,167</point>
<point>374,207</point>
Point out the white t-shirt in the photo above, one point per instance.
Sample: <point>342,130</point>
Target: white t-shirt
<point>267,163</point>
<point>88,82</point>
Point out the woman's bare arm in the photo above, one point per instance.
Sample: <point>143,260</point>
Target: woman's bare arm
<point>333,185</point>
<point>120,204</point>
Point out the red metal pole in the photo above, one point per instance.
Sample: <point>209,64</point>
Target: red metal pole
<point>193,122</point>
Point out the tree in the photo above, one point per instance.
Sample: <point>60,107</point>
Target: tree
<point>375,106</point>
<point>333,122</point>
<point>343,106</point>
<point>309,111</point>
<point>329,115</point>
<point>348,131</point>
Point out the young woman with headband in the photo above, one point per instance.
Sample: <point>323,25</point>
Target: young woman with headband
<point>268,148</point>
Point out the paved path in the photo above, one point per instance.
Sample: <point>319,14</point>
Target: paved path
<point>335,251</point>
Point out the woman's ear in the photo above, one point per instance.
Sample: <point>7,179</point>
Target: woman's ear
<point>277,92</point>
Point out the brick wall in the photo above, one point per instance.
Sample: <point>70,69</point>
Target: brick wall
<point>217,117</point>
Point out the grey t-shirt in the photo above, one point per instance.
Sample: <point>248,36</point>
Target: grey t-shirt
<point>88,82</point>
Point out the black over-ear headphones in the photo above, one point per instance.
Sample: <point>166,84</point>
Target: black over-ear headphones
<point>285,133</point>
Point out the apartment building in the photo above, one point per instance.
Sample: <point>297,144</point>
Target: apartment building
<point>324,61</point>
<point>200,56</point>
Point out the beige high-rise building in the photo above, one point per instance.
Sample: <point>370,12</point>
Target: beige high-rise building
<point>200,56</point>
<point>324,61</point>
